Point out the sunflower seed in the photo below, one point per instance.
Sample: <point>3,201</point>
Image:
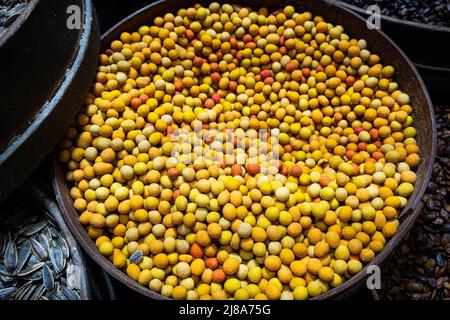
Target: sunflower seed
<point>28,293</point>
<point>37,294</point>
<point>57,259</point>
<point>3,271</point>
<point>47,232</point>
<point>7,278</point>
<point>20,241</point>
<point>54,232</point>
<point>58,296</point>
<point>35,276</point>
<point>64,247</point>
<point>39,250</point>
<point>136,257</point>
<point>47,277</point>
<point>32,229</point>
<point>70,294</point>
<point>44,241</point>
<point>11,256</point>
<point>10,13</point>
<point>30,269</point>
<point>24,254</point>
<point>22,290</point>
<point>33,259</point>
<point>6,293</point>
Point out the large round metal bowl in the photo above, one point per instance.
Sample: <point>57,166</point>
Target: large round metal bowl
<point>407,77</point>
<point>46,75</point>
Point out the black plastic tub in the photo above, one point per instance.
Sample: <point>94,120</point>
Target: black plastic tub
<point>46,72</point>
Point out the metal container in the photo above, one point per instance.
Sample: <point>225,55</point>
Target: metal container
<point>425,44</point>
<point>46,72</point>
<point>407,77</point>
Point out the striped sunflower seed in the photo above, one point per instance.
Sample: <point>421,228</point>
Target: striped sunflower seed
<point>37,294</point>
<point>6,293</point>
<point>30,230</point>
<point>64,247</point>
<point>39,250</point>
<point>31,269</point>
<point>70,294</point>
<point>44,240</point>
<point>57,259</point>
<point>11,256</point>
<point>22,290</point>
<point>47,278</point>
<point>24,255</point>
<point>34,276</point>
<point>136,257</point>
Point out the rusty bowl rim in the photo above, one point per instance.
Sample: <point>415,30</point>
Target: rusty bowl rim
<point>409,213</point>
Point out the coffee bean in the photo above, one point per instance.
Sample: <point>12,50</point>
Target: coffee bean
<point>422,11</point>
<point>420,268</point>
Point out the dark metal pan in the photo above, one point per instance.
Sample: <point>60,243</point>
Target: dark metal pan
<point>407,77</point>
<point>46,72</point>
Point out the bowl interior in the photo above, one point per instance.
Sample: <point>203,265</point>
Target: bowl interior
<point>407,77</point>
<point>29,78</point>
<point>45,81</point>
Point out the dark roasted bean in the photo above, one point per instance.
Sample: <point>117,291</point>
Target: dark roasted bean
<point>420,268</point>
<point>424,11</point>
